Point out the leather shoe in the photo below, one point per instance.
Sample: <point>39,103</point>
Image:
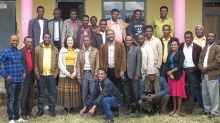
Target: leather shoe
<point>52,113</point>
<point>39,113</point>
<point>24,117</point>
<point>31,115</point>
<point>72,111</point>
<point>152,112</point>
<point>212,116</point>
<point>116,114</point>
<point>109,121</point>
<point>137,113</point>
<point>130,110</point>
<point>204,113</point>
<point>65,111</point>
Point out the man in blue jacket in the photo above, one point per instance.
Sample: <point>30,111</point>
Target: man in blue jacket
<point>154,92</point>
<point>104,96</point>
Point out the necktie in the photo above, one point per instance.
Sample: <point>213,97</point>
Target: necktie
<point>85,31</point>
<point>100,86</point>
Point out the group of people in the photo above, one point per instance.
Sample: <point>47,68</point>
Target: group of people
<point>143,62</point>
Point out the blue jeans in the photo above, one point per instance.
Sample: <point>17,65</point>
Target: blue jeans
<point>198,97</point>
<point>106,104</point>
<point>51,87</point>
<point>14,90</point>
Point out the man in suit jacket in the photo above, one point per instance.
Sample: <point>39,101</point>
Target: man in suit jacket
<point>37,27</point>
<point>27,95</point>
<point>100,38</point>
<point>55,27</point>
<point>133,75</point>
<point>191,51</point>
<point>209,64</point>
<point>112,57</point>
<point>87,66</point>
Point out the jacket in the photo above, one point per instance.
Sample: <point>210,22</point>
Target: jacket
<point>80,35</point>
<point>51,28</point>
<point>97,40</point>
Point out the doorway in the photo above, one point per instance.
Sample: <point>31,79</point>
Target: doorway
<point>66,6</point>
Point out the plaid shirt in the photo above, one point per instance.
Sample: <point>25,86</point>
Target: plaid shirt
<point>111,55</point>
<point>12,60</point>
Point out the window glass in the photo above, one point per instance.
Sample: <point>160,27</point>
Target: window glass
<point>112,5</point>
<point>134,5</point>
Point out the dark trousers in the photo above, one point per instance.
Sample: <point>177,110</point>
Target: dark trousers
<point>191,78</point>
<point>198,96</point>
<point>163,71</point>
<point>27,95</point>
<point>57,45</point>
<point>116,81</point>
<point>131,92</point>
<point>14,90</point>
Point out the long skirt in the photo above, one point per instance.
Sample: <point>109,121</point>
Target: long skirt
<point>69,94</point>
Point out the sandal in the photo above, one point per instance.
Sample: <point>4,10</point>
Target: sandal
<point>175,115</point>
<point>171,113</point>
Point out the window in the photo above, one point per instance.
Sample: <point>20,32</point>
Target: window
<point>125,7</point>
<point>211,17</point>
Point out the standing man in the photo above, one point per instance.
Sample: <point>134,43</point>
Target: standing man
<point>147,57</point>
<point>99,39</point>
<point>133,75</point>
<point>46,71</point>
<point>55,27</point>
<point>112,57</point>
<point>87,66</point>
<point>156,45</point>
<point>93,21</point>
<point>136,27</point>
<point>191,51</point>
<point>14,74</point>
<point>84,30</point>
<point>38,26</point>
<point>117,25</point>
<point>209,64</point>
<point>27,96</point>
<point>158,23</point>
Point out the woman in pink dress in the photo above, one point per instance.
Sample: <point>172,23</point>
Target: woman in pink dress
<point>176,76</point>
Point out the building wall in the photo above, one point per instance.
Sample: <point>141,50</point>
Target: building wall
<point>94,8</point>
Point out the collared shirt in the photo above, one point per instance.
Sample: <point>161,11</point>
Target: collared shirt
<point>70,57</point>
<point>28,53</point>
<point>188,62</point>
<point>205,63</point>
<point>157,24</point>
<point>118,31</point>
<point>46,60</point>
<point>12,60</point>
<point>165,50</point>
<point>111,55</point>
<point>87,61</point>
<point>200,41</point>
<point>56,31</point>
<point>74,23</point>
<point>41,22</point>
<point>103,36</point>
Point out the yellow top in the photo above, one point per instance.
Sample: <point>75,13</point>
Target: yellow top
<point>201,42</point>
<point>165,50</point>
<point>46,60</point>
<point>70,57</point>
<point>157,24</point>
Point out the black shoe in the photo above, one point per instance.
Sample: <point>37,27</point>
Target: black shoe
<point>204,113</point>
<point>130,110</point>
<point>39,113</point>
<point>116,114</point>
<point>109,121</point>
<point>65,111</point>
<point>189,110</point>
<point>152,112</point>
<point>94,114</point>
<point>24,116</point>
<point>52,113</point>
<point>212,116</point>
<point>137,113</point>
<point>72,111</point>
<point>31,115</point>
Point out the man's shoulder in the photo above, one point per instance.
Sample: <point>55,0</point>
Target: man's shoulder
<point>169,18</point>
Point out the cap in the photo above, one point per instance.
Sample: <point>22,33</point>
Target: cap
<point>151,70</point>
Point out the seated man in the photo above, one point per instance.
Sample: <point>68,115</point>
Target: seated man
<point>104,96</point>
<point>154,91</point>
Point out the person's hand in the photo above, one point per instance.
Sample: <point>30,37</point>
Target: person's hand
<point>79,80</point>
<point>95,78</point>
<point>24,75</point>
<point>37,77</point>
<point>121,74</point>
<point>97,31</point>
<point>55,76</point>
<point>69,76</point>
<point>204,70</point>
<point>72,76</point>
<point>8,79</point>
<point>91,111</point>
<point>147,97</point>
<point>152,96</point>
<point>169,72</point>
<point>136,78</point>
<point>83,110</point>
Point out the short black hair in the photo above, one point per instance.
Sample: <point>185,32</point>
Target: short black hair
<point>188,32</point>
<point>114,10</point>
<point>213,33</point>
<point>72,10</point>
<point>102,70</point>
<point>164,7</point>
<point>65,42</point>
<point>47,34</point>
<point>137,10</point>
<point>93,17</point>
<point>102,20</point>
<point>88,37</point>
<point>40,7</point>
<point>175,39</point>
<point>149,26</point>
<point>167,26</point>
<point>56,9</point>
<point>142,34</point>
<point>85,16</point>
<point>27,37</point>
<point>129,35</point>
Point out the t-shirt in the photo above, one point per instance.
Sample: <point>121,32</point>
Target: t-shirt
<point>136,28</point>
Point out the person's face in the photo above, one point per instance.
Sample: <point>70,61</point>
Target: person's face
<point>137,15</point>
<point>57,15</point>
<point>199,31</point>
<point>14,40</point>
<point>149,32</point>
<point>73,15</point>
<point>40,12</point>
<point>166,31</point>
<point>188,39</point>
<point>174,46</point>
<point>141,39</point>
<point>128,41</point>
<point>211,38</point>
<point>103,25</point>
<point>46,39</point>
<point>163,13</point>
<point>101,75</point>
<point>151,77</point>
<point>93,21</point>
<point>28,42</point>
<point>110,35</point>
<point>114,16</point>
<point>70,42</point>
<point>85,21</point>
<point>87,41</point>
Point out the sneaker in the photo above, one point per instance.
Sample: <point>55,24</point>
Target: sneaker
<point>20,120</point>
<point>11,121</point>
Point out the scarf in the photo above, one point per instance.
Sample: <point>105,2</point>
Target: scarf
<point>156,85</point>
